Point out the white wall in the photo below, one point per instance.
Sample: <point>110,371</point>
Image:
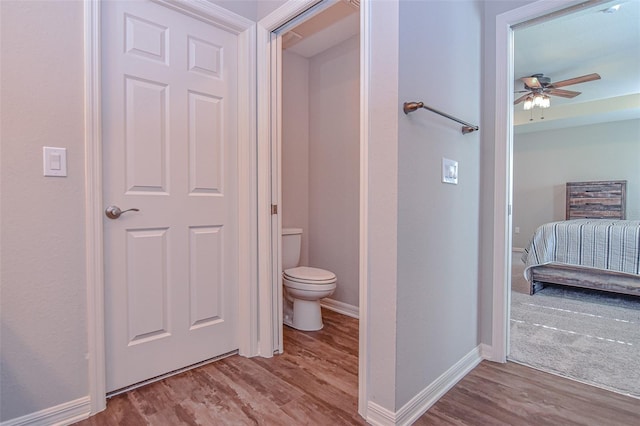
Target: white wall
<point>438,223</point>
<point>43,302</point>
<point>544,161</point>
<point>334,172</point>
<point>295,147</point>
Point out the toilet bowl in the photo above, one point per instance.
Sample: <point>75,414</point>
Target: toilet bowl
<point>303,288</point>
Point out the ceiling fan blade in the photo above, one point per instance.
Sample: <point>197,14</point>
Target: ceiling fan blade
<point>520,99</point>
<point>531,82</point>
<point>563,93</point>
<point>576,80</point>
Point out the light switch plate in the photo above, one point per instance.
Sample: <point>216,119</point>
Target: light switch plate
<point>449,171</point>
<point>54,161</point>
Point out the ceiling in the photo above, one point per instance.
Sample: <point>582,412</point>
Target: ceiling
<point>583,42</point>
<point>324,30</point>
<point>568,45</point>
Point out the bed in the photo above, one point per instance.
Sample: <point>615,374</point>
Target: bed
<point>594,248</point>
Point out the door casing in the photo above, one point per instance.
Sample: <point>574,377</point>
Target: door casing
<point>502,206</point>
<point>270,32</point>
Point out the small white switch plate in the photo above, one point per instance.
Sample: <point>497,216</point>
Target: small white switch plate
<point>517,230</point>
<point>449,171</point>
<point>54,161</point>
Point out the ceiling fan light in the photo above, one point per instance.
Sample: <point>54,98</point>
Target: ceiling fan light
<point>528,103</point>
<point>545,102</point>
<point>537,100</point>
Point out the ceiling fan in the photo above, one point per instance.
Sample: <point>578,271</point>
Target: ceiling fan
<point>538,88</point>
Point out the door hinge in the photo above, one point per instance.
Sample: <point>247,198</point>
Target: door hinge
<point>274,209</point>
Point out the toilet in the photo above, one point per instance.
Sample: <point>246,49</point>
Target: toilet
<point>303,286</point>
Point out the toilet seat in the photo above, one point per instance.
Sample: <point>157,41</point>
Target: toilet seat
<point>315,287</point>
<point>309,276</point>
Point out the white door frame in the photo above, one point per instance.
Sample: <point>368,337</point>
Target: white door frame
<point>248,318</point>
<point>269,131</point>
<point>503,164</point>
<point>269,54</point>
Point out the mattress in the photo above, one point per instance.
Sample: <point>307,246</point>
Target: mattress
<point>604,244</point>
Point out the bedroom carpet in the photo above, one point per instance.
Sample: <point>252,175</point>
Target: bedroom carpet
<point>587,335</point>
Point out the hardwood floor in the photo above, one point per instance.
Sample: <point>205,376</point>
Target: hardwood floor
<point>512,394</point>
<point>315,383</point>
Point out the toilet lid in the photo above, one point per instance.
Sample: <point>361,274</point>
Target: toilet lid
<point>310,275</point>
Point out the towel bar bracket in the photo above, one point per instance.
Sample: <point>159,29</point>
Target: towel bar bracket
<point>413,106</point>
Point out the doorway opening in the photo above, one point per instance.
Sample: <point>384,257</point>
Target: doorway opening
<point>530,134</point>
<point>319,148</point>
<point>272,34</point>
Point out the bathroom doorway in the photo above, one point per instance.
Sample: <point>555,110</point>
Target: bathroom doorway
<point>320,146</point>
<point>314,67</point>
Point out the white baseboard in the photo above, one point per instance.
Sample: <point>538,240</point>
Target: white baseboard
<point>380,416</point>
<point>60,415</point>
<point>419,404</point>
<point>517,249</point>
<point>341,307</point>
<point>486,351</point>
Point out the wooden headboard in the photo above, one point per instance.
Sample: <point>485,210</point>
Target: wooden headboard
<point>597,200</point>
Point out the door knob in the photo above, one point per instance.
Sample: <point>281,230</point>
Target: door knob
<point>114,212</point>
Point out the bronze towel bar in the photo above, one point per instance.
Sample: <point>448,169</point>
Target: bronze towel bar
<point>412,106</point>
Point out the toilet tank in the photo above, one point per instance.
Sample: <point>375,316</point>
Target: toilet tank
<point>291,243</point>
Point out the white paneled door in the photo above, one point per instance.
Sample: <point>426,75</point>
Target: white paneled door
<point>169,91</point>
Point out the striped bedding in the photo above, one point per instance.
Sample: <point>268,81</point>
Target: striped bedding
<point>604,244</point>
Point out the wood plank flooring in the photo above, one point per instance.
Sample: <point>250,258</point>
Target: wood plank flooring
<point>512,394</point>
<point>315,383</point>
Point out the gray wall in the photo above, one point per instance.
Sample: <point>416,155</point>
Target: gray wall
<point>43,300</point>
<point>334,165</point>
<point>250,9</point>
<point>320,160</point>
<point>544,161</point>
<point>295,147</point>
<point>438,236</point>
<point>487,154</point>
